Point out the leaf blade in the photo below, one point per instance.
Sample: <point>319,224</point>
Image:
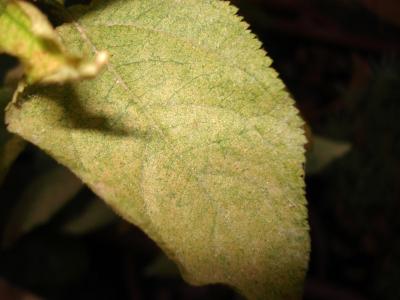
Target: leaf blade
<point>182,126</point>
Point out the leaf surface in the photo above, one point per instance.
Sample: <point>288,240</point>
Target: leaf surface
<point>188,134</point>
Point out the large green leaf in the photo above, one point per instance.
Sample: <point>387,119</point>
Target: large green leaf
<point>188,134</point>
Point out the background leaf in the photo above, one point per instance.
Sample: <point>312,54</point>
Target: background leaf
<point>188,134</point>
<point>41,200</point>
<point>10,145</point>
<point>323,152</point>
<point>96,215</point>
<point>162,267</point>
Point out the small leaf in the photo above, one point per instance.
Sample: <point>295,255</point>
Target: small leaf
<point>30,37</point>
<point>10,145</point>
<point>162,266</point>
<point>96,215</point>
<point>323,152</point>
<point>41,200</point>
<point>188,134</point>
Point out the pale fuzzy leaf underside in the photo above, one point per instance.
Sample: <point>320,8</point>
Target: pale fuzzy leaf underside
<point>189,134</point>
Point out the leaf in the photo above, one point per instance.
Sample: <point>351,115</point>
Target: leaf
<point>10,145</point>
<point>162,267</point>
<point>41,200</point>
<point>96,215</point>
<point>323,152</point>
<point>188,134</point>
<point>31,38</point>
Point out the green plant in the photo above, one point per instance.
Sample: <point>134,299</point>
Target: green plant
<point>182,127</point>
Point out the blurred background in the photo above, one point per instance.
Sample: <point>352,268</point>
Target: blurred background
<point>340,59</point>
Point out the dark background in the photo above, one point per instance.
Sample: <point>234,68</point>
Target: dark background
<point>340,61</point>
